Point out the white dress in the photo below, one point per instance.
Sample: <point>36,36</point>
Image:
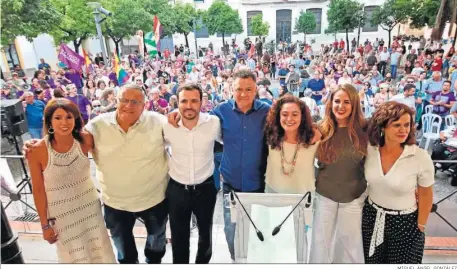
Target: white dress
<point>74,203</point>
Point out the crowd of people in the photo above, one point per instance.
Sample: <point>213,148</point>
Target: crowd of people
<point>221,124</point>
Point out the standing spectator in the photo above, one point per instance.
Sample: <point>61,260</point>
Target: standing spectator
<point>293,80</point>
<point>34,112</point>
<point>81,101</point>
<point>442,101</point>
<point>395,62</point>
<point>384,57</point>
<point>45,67</point>
<point>407,97</point>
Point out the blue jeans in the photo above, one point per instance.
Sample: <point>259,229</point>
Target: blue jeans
<point>393,71</point>
<point>36,133</point>
<point>217,172</point>
<point>229,226</point>
<point>121,223</point>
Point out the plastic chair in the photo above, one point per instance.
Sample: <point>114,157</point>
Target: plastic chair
<point>431,124</point>
<point>429,109</point>
<point>449,120</point>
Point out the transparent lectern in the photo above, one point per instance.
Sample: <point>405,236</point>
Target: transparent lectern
<point>267,211</point>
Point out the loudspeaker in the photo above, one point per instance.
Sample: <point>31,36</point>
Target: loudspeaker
<point>13,119</point>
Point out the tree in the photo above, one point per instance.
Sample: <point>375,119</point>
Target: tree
<point>128,17</point>
<point>27,18</point>
<point>185,17</point>
<point>259,28</point>
<point>305,23</point>
<point>164,12</point>
<point>77,22</point>
<point>343,15</point>
<point>391,13</point>
<point>221,18</point>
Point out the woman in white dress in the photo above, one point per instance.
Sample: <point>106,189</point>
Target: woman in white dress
<point>65,196</point>
<point>289,134</point>
<point>394,216</point>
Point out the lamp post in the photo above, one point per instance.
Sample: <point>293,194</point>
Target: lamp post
<point>98,20</point>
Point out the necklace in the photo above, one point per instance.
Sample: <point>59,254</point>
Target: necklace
<point>284,161</point>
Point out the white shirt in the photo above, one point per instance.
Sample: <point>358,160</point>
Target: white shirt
<point>384,56</point>
<point>132,166</point>
<point>409,101</point>
<point>397,189</point>
<point>312,105</point>
<point>192,158</point>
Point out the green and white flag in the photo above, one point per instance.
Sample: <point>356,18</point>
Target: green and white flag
<point>151,46</point>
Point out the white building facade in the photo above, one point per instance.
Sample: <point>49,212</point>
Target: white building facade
<point>281,16</point>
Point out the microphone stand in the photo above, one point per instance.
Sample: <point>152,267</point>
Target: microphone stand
<point>278,228</point>
<point>259,233</point>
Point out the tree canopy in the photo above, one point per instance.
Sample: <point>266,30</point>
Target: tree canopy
<point>128,17</point>
<point>391,13</point>
<point>185,17</point>
<point>259,27</point>
<point>221,18</point>
<point>305,23</point>
<point>344,15</point>
<point>77,22</point>
<point>27,18</point>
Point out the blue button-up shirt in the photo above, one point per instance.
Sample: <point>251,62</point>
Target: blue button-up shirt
<point>243,162</point>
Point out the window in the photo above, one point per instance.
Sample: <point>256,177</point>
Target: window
<point>318,15</point>
<point>202,30</point>
<point>225,35</point>
<point>250,15</point>
<point>368,27</point>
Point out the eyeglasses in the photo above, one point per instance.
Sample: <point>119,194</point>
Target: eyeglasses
<point>410,81</point>
<point>97,106</point>
<point>125,101</point>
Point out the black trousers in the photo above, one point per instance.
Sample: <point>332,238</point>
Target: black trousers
<point>182,202</point>
<point>403,241</point>
<point>382,68</point>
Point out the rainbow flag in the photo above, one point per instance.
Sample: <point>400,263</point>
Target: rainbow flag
<point>121,74</point>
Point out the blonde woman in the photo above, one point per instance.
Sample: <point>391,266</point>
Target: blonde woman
<point>340,181</point>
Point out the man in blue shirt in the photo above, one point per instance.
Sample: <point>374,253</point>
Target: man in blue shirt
<point>44,66</point>
<point>243,163</point>
<point>34,112</point>
<point>317,85</point>
<point>282,73</point>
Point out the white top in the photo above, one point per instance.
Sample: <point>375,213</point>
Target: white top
<point>409,101</point>
<point>384,56</point>
<point>73,201</point>
<point>301,180</point>
<point>312,105</point>
<point>397,189</point>
<point>192,158</point>
<point>132,166</point>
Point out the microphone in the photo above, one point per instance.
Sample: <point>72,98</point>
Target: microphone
<point>259,233</point>
<point>308,203</point>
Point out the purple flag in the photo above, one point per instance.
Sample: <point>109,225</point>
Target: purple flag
<point>70,58</point>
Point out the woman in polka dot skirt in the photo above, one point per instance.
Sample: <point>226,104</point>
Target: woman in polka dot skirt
<point>400,176</point>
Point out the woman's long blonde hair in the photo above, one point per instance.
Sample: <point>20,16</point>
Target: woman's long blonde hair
<point>327,152</point>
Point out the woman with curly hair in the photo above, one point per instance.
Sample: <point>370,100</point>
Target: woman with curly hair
<point>394,218</point>
<point>340,181</point>
<point>289,132</point>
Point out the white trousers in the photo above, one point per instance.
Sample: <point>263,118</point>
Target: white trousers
<point>337,231</point>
